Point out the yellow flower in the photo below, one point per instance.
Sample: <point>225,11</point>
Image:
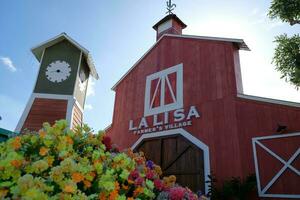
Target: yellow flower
<point>77,177</point>
<point>3,193</point>
<point>50,160</point>
<point>69,188</point>
<point>158,170</point>
<point>172,178</point>
<point>43,151</point>
<point>42,134</point>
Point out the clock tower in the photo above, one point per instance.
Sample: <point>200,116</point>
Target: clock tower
<point>61,85</point>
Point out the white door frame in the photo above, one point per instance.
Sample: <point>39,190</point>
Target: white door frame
<point>190,138</point>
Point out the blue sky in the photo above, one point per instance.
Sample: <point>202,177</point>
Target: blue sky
<point>117,33</point>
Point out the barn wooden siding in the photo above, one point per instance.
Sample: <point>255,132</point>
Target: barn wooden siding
<point>212,80</point>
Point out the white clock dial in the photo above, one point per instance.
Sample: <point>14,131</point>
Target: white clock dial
<point>58,71</point>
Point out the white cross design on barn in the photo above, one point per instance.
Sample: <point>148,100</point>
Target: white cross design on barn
<point>286,165</point>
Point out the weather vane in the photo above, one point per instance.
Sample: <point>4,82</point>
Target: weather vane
<point>170,7</point>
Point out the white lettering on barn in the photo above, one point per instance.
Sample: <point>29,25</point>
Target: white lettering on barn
<point>160,122</point>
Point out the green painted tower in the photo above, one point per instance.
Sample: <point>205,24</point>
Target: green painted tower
<point>61,85</point>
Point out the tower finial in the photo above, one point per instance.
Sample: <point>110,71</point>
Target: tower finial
<point>170,7</point>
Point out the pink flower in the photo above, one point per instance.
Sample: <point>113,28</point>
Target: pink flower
<point>139,181</point>
<point>177,193</point>
<point>107,142</point>
<point>149,174</point>
<point>134,174</point>
<point>158,184</point>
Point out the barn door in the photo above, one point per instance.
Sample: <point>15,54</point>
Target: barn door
<point>176,156</point>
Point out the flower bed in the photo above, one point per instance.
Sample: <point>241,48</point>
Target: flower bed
<point>58,163</point>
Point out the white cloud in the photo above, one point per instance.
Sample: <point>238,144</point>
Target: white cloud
<point>254,11</point>
<point>8,63</point>
<point>263,19</point>
<point>88,107</point>
<point>91,88</point>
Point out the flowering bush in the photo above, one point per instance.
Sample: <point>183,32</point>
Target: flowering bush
<point>59,163</point>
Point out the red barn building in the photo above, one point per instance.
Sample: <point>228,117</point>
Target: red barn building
<point>182,104</point>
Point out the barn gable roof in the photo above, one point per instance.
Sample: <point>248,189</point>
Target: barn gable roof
<point>38,50</point>
<point>239,42</point>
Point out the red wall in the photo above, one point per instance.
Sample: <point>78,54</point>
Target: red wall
<point>211,78</point>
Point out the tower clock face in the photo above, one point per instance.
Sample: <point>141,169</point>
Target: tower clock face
<point>58,71</point>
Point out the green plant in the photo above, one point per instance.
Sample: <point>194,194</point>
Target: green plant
<point>235,188</point>
<point>286,10</point>
<point>287,52</point>
<point>287,58</point>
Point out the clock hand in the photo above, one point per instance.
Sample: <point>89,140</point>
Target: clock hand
<point>56,71</point>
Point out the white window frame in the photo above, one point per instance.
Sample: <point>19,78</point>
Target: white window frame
<point>164,82</point>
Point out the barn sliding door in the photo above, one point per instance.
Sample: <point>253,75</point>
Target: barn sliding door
<point>177,156</point>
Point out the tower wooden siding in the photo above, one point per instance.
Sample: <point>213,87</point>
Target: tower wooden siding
<point>45,110</point>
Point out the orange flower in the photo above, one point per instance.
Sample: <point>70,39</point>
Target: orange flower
<point>102,196</point>
<point>87,184</point>
<point>16,143</point>
<point>96,161</point>
<point>77,177</point>
<point>16,163</point>
<point>42,134</point>
<point>93,174</point>
<point>125,187</point>
<point>69,140</point>
<point>137,191</point>
<point>117,186</point>
<point>69,189</point>
<point>113,195</point>
<point>130,198</point>
<point>43,151</point>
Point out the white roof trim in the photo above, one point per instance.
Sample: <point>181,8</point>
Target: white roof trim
<point>56,39</point>
<point>242,43</point>
<point>242,46</point>
<point>269,100</point>
<point>39,48</point>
